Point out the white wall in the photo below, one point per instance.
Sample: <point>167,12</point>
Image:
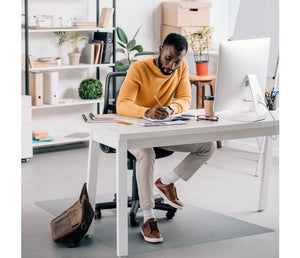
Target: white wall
<point>233,8</point>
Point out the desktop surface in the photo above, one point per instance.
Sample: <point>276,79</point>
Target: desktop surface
<point>115,131</point>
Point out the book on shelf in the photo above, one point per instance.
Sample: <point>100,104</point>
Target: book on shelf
<point>99,46</point>
<point>100,118</point>
<point>44,64</point>
<point>47,139</point>
<point>105,17</point>
<point>97,53</point>
<point>50,88</point>
<point>84,24</point>
<point>107,38</point>
<point>36,88</point>
<point>40,134</point>
<point>88,54</point>
<point>40,62</point>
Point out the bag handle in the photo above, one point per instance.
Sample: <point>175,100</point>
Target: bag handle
<point>84,193</point>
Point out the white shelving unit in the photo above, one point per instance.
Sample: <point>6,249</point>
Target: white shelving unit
<point>75,102</point>
<point>43,116</point>
<point>69,67</point>
<point>68,29</point>
<point>60,140</point>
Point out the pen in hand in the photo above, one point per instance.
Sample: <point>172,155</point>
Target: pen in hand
<point>158,101</point>
<point>161,105</point>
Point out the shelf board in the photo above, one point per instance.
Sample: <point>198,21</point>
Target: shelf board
<point>69,67</point>
<point>75,102</point>
<point>59,140</point>
<point>41,29</point>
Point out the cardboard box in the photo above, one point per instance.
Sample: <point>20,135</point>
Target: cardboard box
<point>165,30</point>
<point>182,14</point>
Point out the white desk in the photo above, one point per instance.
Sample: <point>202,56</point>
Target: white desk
<point>123,137</point>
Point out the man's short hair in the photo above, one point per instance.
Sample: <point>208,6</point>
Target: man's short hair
<point>177,40</point>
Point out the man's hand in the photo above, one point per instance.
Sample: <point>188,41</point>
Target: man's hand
<point>158,112</point>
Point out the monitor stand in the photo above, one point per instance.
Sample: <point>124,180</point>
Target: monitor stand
<point>260,110</point>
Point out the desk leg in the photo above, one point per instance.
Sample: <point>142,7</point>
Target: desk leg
<point>266,160</point>
<point>122,220</point>
<point>92,172</point>
<point>261,154</point>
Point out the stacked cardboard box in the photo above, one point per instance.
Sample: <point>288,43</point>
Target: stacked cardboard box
<point>184,17</point>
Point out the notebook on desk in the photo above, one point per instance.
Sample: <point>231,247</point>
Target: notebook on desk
<point>161,123</point>
<point>169,119</point>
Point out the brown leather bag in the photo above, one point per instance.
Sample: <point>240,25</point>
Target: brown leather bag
<point>71,226</point>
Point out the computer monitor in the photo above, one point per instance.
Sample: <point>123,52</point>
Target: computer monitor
<point>241,76</point>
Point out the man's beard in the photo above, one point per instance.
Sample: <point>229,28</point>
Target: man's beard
<point>161,68</point>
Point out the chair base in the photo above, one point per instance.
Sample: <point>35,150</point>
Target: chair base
<point>135,205</point>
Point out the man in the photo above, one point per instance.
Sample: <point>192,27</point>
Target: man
<point>165,77</point>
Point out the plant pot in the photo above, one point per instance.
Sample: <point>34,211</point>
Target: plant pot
<point>74,58</point>
<point>202,68</point>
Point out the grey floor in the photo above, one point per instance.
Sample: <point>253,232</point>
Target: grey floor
<point>225,185</point>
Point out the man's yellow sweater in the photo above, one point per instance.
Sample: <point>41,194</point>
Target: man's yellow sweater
<point>144,80</point>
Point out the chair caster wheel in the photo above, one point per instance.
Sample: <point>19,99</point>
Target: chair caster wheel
<point>170,214</point>
<point>97,214</point>
<point>133,221</point>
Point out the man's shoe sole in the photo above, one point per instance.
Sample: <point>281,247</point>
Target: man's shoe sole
<point>152,240</point>
<point>174,205</point>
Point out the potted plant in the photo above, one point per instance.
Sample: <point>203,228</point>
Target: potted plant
<point>199,42</point>
<point>90,89</point>
<point>74,39</point>
<point>129,49</point>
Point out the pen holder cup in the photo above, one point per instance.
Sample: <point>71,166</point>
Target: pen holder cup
<point>272,103</point>
<point>208,105</point>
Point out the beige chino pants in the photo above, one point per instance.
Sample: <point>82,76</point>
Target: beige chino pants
<point>199,154</point>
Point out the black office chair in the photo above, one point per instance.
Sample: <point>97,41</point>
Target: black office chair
<point>112,87</point>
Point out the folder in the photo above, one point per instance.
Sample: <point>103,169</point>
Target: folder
<point>50,88</point>
<point>36,88</point>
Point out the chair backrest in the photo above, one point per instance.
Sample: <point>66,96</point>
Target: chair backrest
<point>113,84</point>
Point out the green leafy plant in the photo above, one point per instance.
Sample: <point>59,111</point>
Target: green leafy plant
<point>90,89</point>
<point>130,49</point>
<point>72,38</point>
<point>199,42</point>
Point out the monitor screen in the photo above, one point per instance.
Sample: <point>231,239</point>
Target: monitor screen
<point>237,60</point>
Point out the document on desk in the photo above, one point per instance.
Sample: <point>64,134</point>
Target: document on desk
<point>169,119</point>
<point>159,123</point>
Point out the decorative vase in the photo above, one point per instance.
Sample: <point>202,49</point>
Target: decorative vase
<point>74,58</point>
<point>202,68</point>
